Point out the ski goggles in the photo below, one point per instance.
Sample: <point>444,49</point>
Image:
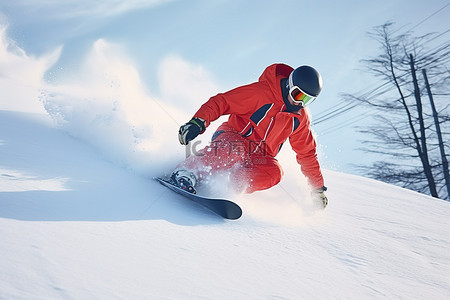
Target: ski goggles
<point>298,96</point>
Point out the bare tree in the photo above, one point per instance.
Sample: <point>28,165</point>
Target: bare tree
<point>404,131</point>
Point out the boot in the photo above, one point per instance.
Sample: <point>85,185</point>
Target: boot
<point>185,180</point>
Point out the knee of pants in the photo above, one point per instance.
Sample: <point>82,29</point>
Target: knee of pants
<point>266,176</point>
<point>264,173</point>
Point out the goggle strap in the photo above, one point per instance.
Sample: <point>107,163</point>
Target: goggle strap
<point>290,81</point>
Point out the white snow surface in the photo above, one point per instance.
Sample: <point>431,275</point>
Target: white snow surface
<point>73,225</point>
<point>81,217</point>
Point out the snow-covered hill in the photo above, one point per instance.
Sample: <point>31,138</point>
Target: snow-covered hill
<point>74,224</point>
<point>81,218</point>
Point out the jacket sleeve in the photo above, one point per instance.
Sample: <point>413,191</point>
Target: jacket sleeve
<point>236,101</point>
<point>304,145</point>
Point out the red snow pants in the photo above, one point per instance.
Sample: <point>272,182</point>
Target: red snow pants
<point>250,168</point>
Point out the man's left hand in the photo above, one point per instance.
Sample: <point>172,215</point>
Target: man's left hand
<point>319,196</point>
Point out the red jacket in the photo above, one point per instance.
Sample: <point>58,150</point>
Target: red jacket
<point>257,112</point>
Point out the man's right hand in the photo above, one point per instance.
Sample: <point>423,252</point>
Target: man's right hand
<point>191,130</point>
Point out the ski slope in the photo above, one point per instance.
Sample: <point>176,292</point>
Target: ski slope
<point>81,217</point>
<point>75,225</point>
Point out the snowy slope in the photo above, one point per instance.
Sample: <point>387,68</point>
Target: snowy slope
<point>74,225</point>
<point>80,217</point>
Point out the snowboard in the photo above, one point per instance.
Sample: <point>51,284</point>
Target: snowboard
<point>225,208</point>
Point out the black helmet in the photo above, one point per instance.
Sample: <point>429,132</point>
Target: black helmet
<point>304,85</point>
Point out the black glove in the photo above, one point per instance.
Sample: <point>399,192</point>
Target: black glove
<point>319,196</point>
<point>191,130</point>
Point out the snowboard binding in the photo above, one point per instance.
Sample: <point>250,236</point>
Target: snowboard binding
<point>185,180</point>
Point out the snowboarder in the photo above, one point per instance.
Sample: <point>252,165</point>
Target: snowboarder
<point>262,116</point>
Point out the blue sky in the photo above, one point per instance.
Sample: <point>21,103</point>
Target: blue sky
<point>230,43</point>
